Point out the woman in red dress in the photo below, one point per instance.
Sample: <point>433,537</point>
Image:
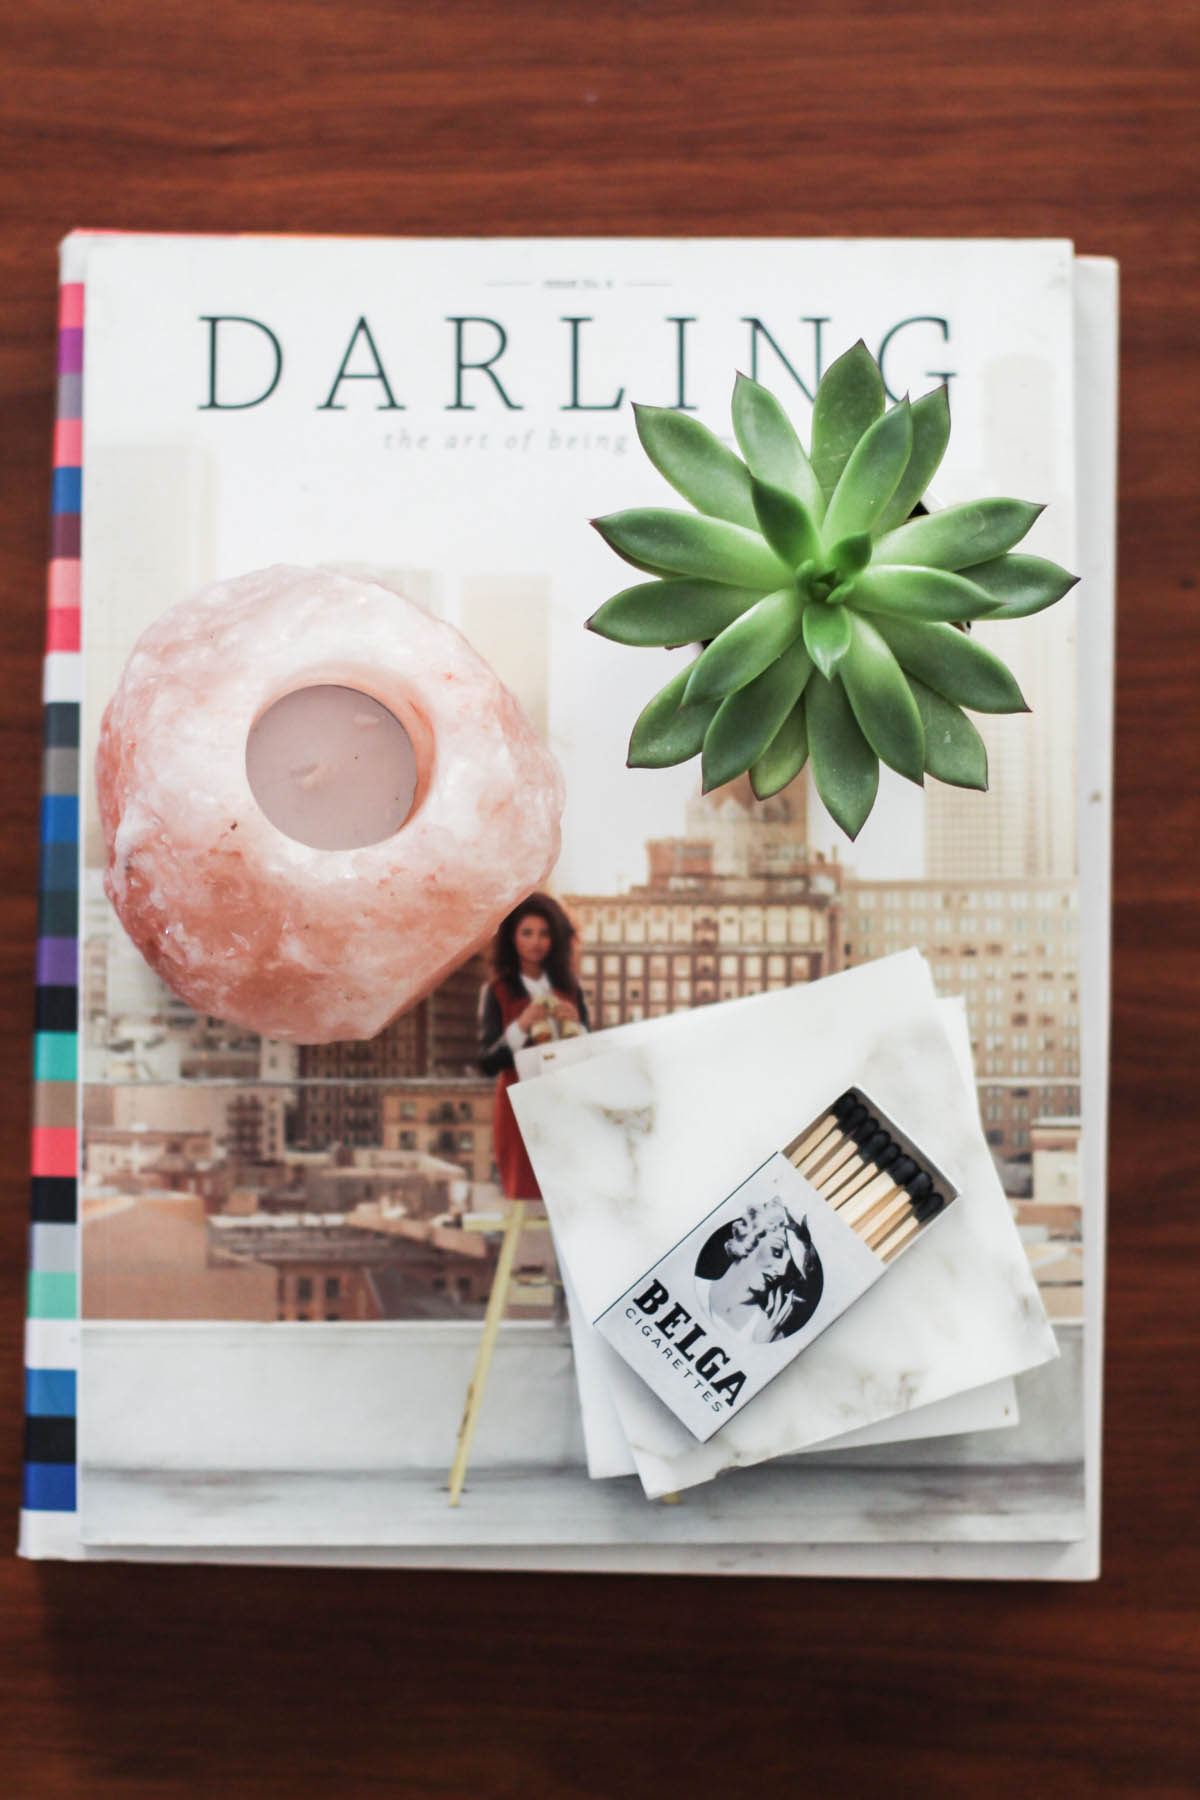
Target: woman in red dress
<point>533,985</point>
<point>533,992</point>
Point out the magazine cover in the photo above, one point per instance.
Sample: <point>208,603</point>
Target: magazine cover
<point>261,1266</point>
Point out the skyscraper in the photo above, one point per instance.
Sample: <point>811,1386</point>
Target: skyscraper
<point>1026,824</point>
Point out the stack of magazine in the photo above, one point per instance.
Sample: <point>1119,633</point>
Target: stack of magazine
<point>259,1270</point>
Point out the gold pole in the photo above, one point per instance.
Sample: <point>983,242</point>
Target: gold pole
<point>497,1301</point>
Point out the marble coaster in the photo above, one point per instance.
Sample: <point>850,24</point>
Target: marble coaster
<point>991,1407</point>
<point>631,1147</point>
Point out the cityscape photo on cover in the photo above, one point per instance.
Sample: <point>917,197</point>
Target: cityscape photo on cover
<point>452,440</point>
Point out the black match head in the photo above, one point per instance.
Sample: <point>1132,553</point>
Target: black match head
<point>846,1104</point>
<point>929,1206</point>
<point>872,1145</point>
<point>919,1186</point>
<point>903,1170</point>
<point>883,1159</point>
<point>853,1118</point>
<point>866,1128</point>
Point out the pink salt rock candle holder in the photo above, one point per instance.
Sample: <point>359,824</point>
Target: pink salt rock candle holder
<point>300,704</point>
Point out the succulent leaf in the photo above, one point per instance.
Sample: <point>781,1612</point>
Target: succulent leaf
<point>1020,585</point>
<point>954,750</point>
<point>882,700</point>
<point>784,756</point>
<point>913,593</point>
<point>930,436</point>
<point>768,441</point>
<point>871,474</point>
<point>845,768</point>
<point>671,612</point>
<point>954,665</point>
<point>848,401</point>
<point>960,535</point>
<point>748,646</point>
<point>786,524</point>
<point>744,724</point>
<point>666,731</point>
<point>664,542</point>
<point>826,634</point>
<point>697,464</point>
<point>850,554</point>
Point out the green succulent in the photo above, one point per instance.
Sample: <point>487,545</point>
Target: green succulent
<point>830,616</point>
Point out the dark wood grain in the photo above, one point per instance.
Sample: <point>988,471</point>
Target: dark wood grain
<point>850,117</point>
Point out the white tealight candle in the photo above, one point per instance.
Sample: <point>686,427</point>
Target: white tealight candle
<point>331,768</point>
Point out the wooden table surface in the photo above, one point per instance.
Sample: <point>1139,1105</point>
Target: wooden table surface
<point>842,117</point>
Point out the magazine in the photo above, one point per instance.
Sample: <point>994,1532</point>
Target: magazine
<point>260,1268</point>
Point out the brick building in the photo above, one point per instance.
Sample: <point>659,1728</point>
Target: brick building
<point>371,1264</point>
<point>1012,950</point>
<point>341,1092</point>
<point>448,1119</point>
<point>737,906</point>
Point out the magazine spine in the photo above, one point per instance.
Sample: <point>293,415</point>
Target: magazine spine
<point>49,1492</point>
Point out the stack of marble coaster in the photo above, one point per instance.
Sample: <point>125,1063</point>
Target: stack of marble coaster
<point>637,1133</point>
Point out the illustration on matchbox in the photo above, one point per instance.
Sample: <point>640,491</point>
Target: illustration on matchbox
<point>763,1272</point>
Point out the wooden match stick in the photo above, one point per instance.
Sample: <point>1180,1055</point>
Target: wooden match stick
<point>879,1190</point>
<point>915,1193</point>
<point>799,1149</point>
<point>868,1146</point>
<point>848,1152</point>
<point>897,1239</point>
<point>923,1210</point>
<point>923,1203</point>
<point>828,1157</point>
<point>886,1218</point>
<point>837,1144</point>
<point>847,1187</point>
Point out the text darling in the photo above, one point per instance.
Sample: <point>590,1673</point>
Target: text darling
<point>247,363</point>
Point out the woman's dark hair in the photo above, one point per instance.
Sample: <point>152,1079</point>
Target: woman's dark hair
<point>506,964</point>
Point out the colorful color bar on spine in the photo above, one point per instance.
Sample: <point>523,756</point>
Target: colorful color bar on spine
<point>55,1053</point>
<point>49,1483</point>
<point>50,1393</point>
